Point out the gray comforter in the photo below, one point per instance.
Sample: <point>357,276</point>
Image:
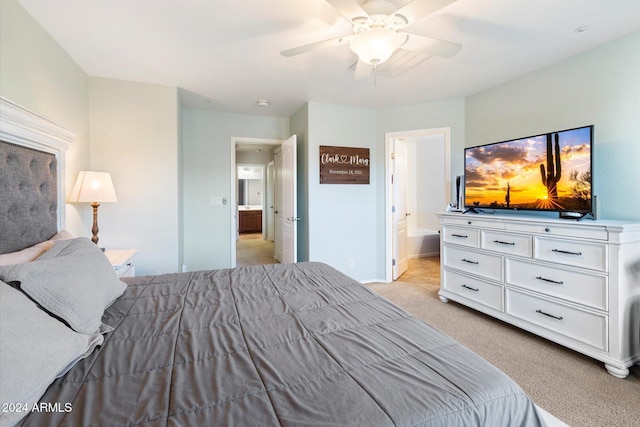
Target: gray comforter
<point>298,344</point>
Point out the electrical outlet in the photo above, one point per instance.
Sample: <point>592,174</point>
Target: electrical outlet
<point>352,263</point>
<point>184,268</point>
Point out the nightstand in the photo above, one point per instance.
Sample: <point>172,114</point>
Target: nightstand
<point>122,261</point>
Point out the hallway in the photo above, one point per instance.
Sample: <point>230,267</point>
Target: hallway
<point>252,249</point>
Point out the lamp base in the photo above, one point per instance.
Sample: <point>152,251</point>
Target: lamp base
<point>94,228</point>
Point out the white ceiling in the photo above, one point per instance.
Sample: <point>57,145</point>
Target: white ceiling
<point>225,54</point>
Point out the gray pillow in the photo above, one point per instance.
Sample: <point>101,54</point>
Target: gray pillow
<point>73,280</point>
<point>35,349</point>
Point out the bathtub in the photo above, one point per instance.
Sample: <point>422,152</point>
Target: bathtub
<point>423,242</point>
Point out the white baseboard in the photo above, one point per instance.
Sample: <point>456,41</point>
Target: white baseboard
<point>365,282</point>
<point>424,255</point>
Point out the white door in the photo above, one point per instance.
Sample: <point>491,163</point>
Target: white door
<point>399,214</point>
<point>289,201</point>
<point>277,207</point>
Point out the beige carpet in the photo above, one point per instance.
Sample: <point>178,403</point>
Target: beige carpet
<point>575,388</point>
<point>252,249</point>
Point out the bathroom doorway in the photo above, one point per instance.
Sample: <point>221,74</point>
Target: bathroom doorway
<point>418,186</point>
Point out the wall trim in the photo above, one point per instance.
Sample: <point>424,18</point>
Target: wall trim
<point>24,127</point>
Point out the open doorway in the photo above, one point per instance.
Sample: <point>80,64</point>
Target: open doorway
<point>253,241</point>
<point>271,214</point>
<point>418,186</point>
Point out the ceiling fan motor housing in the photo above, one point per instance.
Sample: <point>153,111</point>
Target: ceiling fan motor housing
<point>375,36</point>
<point>376,45</point>
<point>379,7</point>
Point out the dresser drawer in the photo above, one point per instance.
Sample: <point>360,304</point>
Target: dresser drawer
<point>580,325</point>
<point>478,263</point>
<point>122,261</point>
<point>128,271</point>
<point>580,254</point>
<point>473,221</point>
<point>587,289</point>
<point>513,244</point>
<point>486,293</point>
<point>461,236</point>
<point>564,230</point>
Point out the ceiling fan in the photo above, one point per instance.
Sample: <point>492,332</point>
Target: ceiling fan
<point>377,27</point>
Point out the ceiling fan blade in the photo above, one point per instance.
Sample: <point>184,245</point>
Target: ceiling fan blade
<point>418,9</point>
<point>317,45</point>
<point>362,70</point>
<point>350,9</point>
<point>431,46</point>
<point>400,62</point>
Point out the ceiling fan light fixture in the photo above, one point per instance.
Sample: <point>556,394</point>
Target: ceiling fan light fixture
<point>376,45</point>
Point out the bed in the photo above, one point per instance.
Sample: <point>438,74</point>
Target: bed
<point>284,344</point>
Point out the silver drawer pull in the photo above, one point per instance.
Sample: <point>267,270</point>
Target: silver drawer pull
<point>549,280</point>
<point>460,235</point>
<point>469,261</point>
<point>470,288</point>
<point>566,252</point>
<point>549,315</point>
<point>504,243</point>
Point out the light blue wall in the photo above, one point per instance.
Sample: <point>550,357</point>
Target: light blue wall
<point>342,217</point>
<point>599,87</point>
<point>206,167</point>
<point>134,136</point>
<point>36,73</point>
<point>180,186</point>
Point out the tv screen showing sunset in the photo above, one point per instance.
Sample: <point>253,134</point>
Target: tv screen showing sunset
<point>545,172</point>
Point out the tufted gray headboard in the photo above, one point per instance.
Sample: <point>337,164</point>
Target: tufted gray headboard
<point>32,171</point>
<point>28,196</point>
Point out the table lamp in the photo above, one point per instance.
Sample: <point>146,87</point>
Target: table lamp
<point>95,188</point>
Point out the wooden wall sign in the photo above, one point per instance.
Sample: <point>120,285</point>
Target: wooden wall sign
<point>344,165</point>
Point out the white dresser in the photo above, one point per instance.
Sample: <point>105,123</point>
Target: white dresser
<point>575,283</point>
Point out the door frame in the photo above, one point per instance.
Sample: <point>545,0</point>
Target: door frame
<point>233,212</point>
<point>389,137</point>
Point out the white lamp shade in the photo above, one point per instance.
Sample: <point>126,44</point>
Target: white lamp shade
<point>93,187</point>
<point>376,45</point>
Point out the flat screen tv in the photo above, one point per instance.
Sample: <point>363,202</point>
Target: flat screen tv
<point>547,172</point>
